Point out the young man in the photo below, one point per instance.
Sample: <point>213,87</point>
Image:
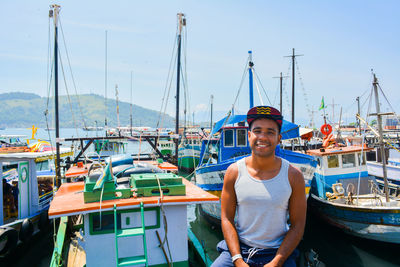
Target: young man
<point>262,190</point>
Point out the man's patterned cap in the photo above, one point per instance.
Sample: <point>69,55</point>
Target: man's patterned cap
<point>264,112</point>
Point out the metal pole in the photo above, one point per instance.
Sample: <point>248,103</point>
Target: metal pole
<point>381,144</point>
<point>280,90</point>
<point>58,171</point>
<point>105,87</point>
<point>211,121</point>
<point>251,64</point>
<point>358,120</point>
<point>178,74</point>
<point>293,79</point>
<point>131,120</point>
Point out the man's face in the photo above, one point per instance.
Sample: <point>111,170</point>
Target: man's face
<point>264,136</point>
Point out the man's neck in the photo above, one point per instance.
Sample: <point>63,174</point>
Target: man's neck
<point>264,163</point>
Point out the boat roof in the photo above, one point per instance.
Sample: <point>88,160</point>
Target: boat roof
<point>69,200</point>
<point>12,135</point>
<point>337,150</point>
<point>38,156</point>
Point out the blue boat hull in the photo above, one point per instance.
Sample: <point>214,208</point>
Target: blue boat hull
<point>376,223</point>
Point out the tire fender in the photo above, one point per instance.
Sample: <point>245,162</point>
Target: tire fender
<point>26,230</point>
<point>8,239</point>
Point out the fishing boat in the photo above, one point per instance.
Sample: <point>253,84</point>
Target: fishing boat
<point>25,196</point>
<point>139,219</point>
<point>189,151</point>
<point>228,143</point>
<point>13,144</point>
<point>375,167</point>
<point>343,194</point>
<point>107,147</point>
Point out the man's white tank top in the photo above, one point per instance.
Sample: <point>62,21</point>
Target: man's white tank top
<point>262,207</point>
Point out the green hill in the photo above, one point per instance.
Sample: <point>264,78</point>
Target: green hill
<point>26,109</point>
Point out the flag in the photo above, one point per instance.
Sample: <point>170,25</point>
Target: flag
<point>105,176</point>
<point>322,104</point>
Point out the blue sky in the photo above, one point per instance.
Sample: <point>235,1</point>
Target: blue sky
<point>341,42</point>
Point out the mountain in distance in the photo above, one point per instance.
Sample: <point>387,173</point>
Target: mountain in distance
<point>21,110</point>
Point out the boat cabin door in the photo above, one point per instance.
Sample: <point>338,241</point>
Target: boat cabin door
<point>23,186</point>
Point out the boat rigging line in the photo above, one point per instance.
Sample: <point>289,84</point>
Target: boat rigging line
<point>72,75</point>
<point>304,90</point>
<point>168,84</point>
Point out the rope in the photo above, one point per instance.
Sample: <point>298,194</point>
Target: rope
<point>304,90</point>
<point>287,113</point>
<point>72,76</point>
<point>241,83</point>
<point>259,80</point>
<point>160,199</point>
<point>258,89</point>
<point>167,88</point>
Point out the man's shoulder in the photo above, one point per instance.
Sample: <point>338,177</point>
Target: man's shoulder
<point>295,175</point>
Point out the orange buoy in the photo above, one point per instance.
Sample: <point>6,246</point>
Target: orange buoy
<point>326,129</point>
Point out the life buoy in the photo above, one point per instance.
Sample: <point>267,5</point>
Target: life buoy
<point>326,129</point>
<point>8,239</point>
<point>26,230</point>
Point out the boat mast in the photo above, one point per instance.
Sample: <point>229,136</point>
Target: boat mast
<point>105,87</point>
<point>358,120</point>
<point>251,64</point>
<point>381,144</point>
<point>280,90</point>
<point>211,119</point>
<point>181,23</point>
<point>293,56</point>
<point>54,13</point>
<point>131,120</point>
<point>116,99</point>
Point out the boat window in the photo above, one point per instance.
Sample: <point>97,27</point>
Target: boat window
<point>228,137</point>
<point>42,165</point>
<point>333,161</point>
<point>348,160</point>
<point>241,137</point>
<point>359,158</point>
<point>107,222</point>
<point>319,161</point>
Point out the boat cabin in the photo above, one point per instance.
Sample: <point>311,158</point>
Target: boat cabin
<point>339,165</point>
<point>233,143</point>
<point>22,194</point>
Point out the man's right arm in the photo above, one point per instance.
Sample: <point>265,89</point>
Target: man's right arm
<point>228,210</point>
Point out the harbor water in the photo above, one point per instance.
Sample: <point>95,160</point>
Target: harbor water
<point>322,244</point>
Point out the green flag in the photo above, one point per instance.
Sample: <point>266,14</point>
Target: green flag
<point>106,175</point>
<point>322,104</point>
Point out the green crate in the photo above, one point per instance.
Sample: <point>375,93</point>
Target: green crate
<point>94,196</point>
<point>109,191</point>
<point>150,179</point>
<point>168,190</point>
<point>108,185</point>
<point>147,185</point>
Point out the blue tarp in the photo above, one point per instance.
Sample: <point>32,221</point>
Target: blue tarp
<point>289,130</point>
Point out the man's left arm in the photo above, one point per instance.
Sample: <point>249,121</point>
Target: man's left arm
<point>297,213</point>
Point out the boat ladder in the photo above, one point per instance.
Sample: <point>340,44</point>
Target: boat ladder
<point>137,231</point>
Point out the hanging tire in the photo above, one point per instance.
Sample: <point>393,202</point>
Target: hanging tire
<point>26,231</point>
<point>8,239</point>
<point>43,220</point>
